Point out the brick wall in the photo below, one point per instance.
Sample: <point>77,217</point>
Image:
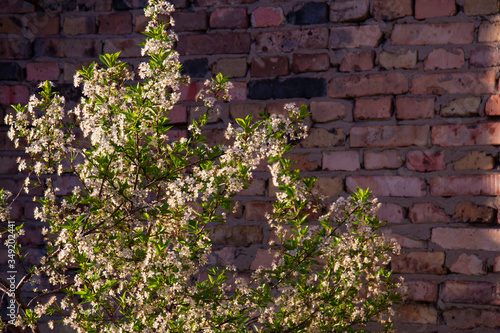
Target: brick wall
<point>403,96</point>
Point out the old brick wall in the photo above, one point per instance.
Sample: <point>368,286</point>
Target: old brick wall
<point>404,100</point>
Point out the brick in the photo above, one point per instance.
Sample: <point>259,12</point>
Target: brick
<point>496,266</point>
<point>466,135</point>
<point>349,10</point>
<point>389,136</point>
<point>208,3</point>
<point>419,262</point>
<point>321,137</point>
<point>469,265</point>
<point>279,107</point>
<point>351,37</point>
<point>115,24</point>
<point>195,67</point>
<point>223,43</point>
<point>425,160</point>
<point>129,4</point>
<point>330,187</point>
<point>309,13</point>
<point>471,318</point>
<point>292,40</point>
<point>341,161</point>
<point>462,107</point>
<point>128,47</point>
<point>422,290</point>
<point>427,212</point>
<point>443,59</point>
<point>468,212</point>
<point>8,165</point>
<point>10,71</point>
<point>178,115</point>
<point>406,59</point>
<point>492,107</point>
<point>469,292</point>
<point>373,108</point>
<point>475,160</point>
<point>480,7</point>
<point>238,235</point>
<point>289,88</point>
<point>10,25</point>
<point>229,18</point>
<point>465,185</point>
<point>226,256</point>
<point>310,62</point>
<point>67,48</point>
<point>392,9</point>
<point>406,242</point>
<point>386,159</point>
<point>417,314</point>
<point>79,25</point>
<point>484,56</point>
<point>256,210</point>
<point>389,186</point>
<point>257,187</point>
<point>232,67</point>
<point>41,71</point>
<point>16,7</point>
<point>190,21</point>
<point>272,66</point>
<point>390,213</point>
<point>488,32</point>
<point>367,85</point>
<point>17,48</point>
<point>326,111</point>
<point>454,83</point>
<point>264,17</point>
<point>14,94</point>
<point>434,8</point>
<point>466,238</point>
<point>432,34</point>
<point>357,61</point>
<point>263,258</point>
<point>242,110</point>
<point>305,162</point>
<point>39,25</point>
<point>414,107</point>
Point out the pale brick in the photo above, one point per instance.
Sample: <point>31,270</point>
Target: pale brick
<point>388,186</point>
<point>264,17</point>
<point>489,32</point>
<point>469,292</point>
<point>475,160</point>
<point>419,262</point>
<point>373,108</point>
<point>454,83</point>
<point>425,160</point>
<point>422,290</point>
<point>427,212</point>
<point>434,8</point>
<point>389,212</point>
<point>392,9</point>
<point>321,137</point>
<point>256,210</point>
<point>389,136</point>
<point>462,107</point>
<point>414,107</point>
<point>239,235</point>
<point>330,187</point>
<point>386,159</point>
<point>357,61</point>
<point>417,314</point>
<point>433,34</point>
<point>469,265</point>
<point>480,7</point>
<point>326,111</point>
<point>492,107</point>
<point>466,135</point>
<point>406,59</point>
<point>368,85</point>
<point>467,239</point>
<point>232,67</point>
<point>257,187</point>
<point>349,10</point>
<point>351,37</point>
<point>468,212</point>
<point>341,161</point>
<point>443,59</point>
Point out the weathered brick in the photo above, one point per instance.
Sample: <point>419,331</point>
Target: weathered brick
<point>480,7</point>
<point>239,235</point>
<point>469,292</point>
<point>349,10</point>
<point>321,137</point>
<point>432,34</point>
<point>309,13</point>
<point>414,107</point>
<point>10,25</point>
<point>471,318</point>
<point>351,37</point>
<point>406,59</point>
<point>310,62</point>
<point>427,212</point>
<point>10,71</point>
<point>41,71</point>
<point>465,185</point>
<point>366,85</point>
<point>454,83</point>
<point>305,162</point>
<point>357,61</point>
<point>462,107</point>
<point>469,212</point>
<point>264,17</point>
<point>388,186</point>
<point>392,9</point>
<point>128,47</point>
<point>373,108</point>
<point>484,56</point>
<point>443,59</point>
<point>417,314</point>
<point>229,18</point>
<point>271,66</point>
<point>489,32</point>
<point>466,238</point>
<point>386,159</point>
<point>232,67</point>
<point>469,265</point>
<point>222,43</point>
<point>242,110</point>
<point>419,262</point>
<point>326,111</point>
<point>391,213</point>
<point>434,8</point>
<point>475,160</point>
<point>292,40</point>
<point>79,25</point>
<point>422,290</point>
<point>289,88</point>
<point>389,136</point>
<point>257,210</point>
<point>492,107</point>
<point>67,47</point>
<point>466,135</point>
<point>341,161</point>
<point>17,48</point>
<point>425,160</point>
<point>330,187</point>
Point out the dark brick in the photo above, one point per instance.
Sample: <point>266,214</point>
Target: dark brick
<point>66,47</point>
<point>289,88</point>
<point>195,67</point>
<point>231,43</point>
<point>309,13</point>
<point>70,92</point>
<point>190,21</point>
<point>129,4</point>
<point>15,48</point>
<point>86,5</point>
<point>10,71</point>
<point>269,66</point>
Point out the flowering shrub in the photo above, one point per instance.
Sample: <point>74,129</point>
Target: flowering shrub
<point>128,249</point>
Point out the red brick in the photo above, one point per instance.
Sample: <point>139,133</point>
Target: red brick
<point>232,67</point>
<point>326,111</point>
<point>42,24</point>
<point>263,258</point>
<point>465,185</point>
<point>321,137</point>
<point>115,24</point>
<point>425,160</point>
<point>256,210</point>
<point>303,162</point>
<point>367,85</point>
<point>67,47</point>
<point>492,107</point>
<point>468,264</point>
<point>17,48</point>
<point>16,7</point>
<point>229,18</point>
<point>310,62</point>
<point>388,186</point>
<point>341,161</point>
<point>41,71</point>
<point>79,25</point>
<point>433,34</point>
<point>390,213</point>
<point>484,56</point>
<point>190,21</point>
<point>480,7</point>
<point>349,10</point>
<point>373,108</point>
<point>239,91</point>
<point>417,314</point>
<point>237,235</point>
<point>434,8</point>
<point>14,94</point>
<point>427,212</point>
<point>357,61</point>
<point>292,40</point>
<point>467,238</point>
<point>454,83</point>
<point>208,3</point>
<point>469,292</point>
<point>496,265</point>
<point>475,160</point>
<point>128,47</point>
<point>406,59</point>
<point>466,135</point>
<point>264,17</point>
<point>271,66</point>
<point>10,25</point>
<point>461,107</point>
<point>422,290</point>
<point>222,43</point>
<point>443,59</point>
<point>471,318</point>
<point>419,262</point>
<point>389,136</point>
<point>489,32</point>
<point>178,115</point>
<point>351,37</point>
<point>392,9</point>
<point>189,92</point>
<point>386,159</point>
<point>414,107</point>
